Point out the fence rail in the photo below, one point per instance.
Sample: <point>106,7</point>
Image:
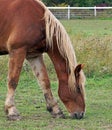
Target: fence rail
<point>68,12</point>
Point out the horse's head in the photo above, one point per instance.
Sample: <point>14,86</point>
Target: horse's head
<point>74,100</point>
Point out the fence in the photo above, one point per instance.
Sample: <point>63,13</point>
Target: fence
<point>81,12</point>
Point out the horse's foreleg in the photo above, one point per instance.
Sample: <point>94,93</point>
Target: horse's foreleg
<point>40,72</point>
<point>16,58</point>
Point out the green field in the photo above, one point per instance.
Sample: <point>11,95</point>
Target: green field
<point>92,41</point>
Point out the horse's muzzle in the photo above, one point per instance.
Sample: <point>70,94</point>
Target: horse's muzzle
<point>77,115</point>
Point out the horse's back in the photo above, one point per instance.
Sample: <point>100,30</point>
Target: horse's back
<point>21,22</point>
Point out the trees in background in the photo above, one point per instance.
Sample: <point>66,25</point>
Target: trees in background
<point>77,2</point>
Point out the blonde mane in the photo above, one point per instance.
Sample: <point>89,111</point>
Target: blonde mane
<point>53,26</point>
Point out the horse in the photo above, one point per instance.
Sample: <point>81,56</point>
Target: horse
<point>28,29</point>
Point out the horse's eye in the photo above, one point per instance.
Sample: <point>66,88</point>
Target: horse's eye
<point>78,89</point>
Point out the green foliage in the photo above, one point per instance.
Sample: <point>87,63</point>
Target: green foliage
<point>61,5</point>
<point>77,2</point>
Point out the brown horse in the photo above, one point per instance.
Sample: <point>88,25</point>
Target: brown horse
<point>27,30</point>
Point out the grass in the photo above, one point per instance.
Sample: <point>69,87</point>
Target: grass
<point>94,27</point>
<point>31,104</point>
<point>92,41</point>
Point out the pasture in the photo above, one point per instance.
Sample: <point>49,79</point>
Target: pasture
<point>92,41</point>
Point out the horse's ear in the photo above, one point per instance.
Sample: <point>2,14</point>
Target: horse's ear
<point>78,69</point>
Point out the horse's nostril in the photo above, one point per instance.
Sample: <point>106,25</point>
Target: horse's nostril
<point>82,114</point>
<point>77,115</point>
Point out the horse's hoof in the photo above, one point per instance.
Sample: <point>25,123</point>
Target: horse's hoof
<point>58,115</point>
<point>14,117</point>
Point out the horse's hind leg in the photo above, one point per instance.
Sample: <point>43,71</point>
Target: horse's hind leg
<point>40,72</point>
<point>16,58</point>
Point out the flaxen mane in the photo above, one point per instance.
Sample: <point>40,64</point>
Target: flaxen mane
<point>53,26</point>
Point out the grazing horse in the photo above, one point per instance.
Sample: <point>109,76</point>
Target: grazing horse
<point>27,30</point>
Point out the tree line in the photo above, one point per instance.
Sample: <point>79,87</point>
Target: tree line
<point>80,3</point>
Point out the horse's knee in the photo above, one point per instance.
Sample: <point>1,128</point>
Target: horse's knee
<point>12,83</point>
